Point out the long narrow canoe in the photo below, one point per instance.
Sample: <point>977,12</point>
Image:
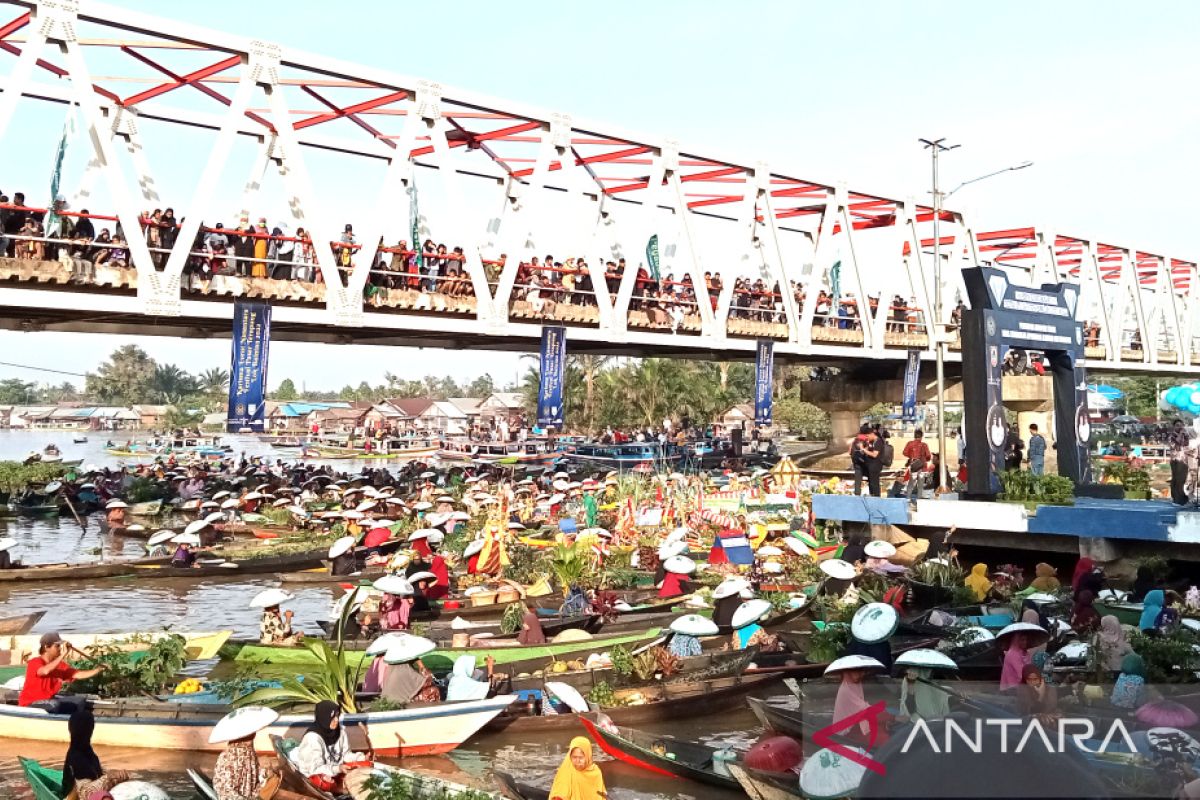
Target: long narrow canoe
<point>20,624</point>
<point>200,644</point>
<point>661,702</point>
<point>680,759</point>
<point>63,572</point>
<point>443,658</point>
<point>513,789</point>
<point>701,667</point>
<point>414,731</point>
<point>765,786</point>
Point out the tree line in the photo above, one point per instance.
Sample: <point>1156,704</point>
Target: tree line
<point>599,391</point>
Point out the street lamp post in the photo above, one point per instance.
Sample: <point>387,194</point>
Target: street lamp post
<point>939,328</point>
<point>936,147</point>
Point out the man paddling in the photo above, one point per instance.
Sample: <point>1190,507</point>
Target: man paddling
<point>45,674</point>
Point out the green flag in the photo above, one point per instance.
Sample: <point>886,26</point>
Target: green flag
<point>652,256</point>
<point>414,219</point>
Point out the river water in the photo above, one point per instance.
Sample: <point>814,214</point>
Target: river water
<point>127,604</point>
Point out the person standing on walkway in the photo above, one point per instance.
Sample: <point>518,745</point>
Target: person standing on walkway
<point>1180,443</point>
<point>917,455</point>
<point>858,458</point>
<point>1037,451</point>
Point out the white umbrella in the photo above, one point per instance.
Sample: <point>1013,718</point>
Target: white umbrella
<point>242,722</point>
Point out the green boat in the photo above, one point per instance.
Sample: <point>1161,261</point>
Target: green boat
<point>443,658</point>
<point>1126,613</point>
<point>45,782</point>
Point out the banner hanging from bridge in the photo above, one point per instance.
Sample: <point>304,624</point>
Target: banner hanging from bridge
<point>652,258</point>
<point>912,373</point>
<point>248,369</point>
<point>553,371</point>
<point>764,373</point>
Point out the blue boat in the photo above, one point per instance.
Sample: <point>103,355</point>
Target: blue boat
<point>625,456</point>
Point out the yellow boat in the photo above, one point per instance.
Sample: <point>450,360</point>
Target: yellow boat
<point>200,644</point>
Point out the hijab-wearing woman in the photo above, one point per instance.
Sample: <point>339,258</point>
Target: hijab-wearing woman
<point>578,778</point>
<point>1084,617</point>
<point>1130,689</point>
<point>1152,606</point>
<point>463,684</point>
<point>81,769</point>
<point>1087,577</point>
<point>919,700</point>
<point>1114,644</point>
<point>1016,658</point>
<point>394,612</point>
<point>324,755</point>
<point>1035,697</point>
<point>978,582</point>
<point>531,628</point>
<point>1047,578</point>
<point>850,701</point>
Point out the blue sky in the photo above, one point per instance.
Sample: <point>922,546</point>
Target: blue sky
<point>1099,95</point>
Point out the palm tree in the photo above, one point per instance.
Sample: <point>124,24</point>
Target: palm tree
<point>590,366</point>
<point>214,381</point>
<point>171,384</point>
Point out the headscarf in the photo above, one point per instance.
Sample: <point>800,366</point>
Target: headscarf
<point>929,702</point>
<point>402,682</point>
<point>978,581</point>
<point>1151,607</point>
<point>1047,578</point>
<point>578,784</point>
<point>1114,645</point>
<point>1133,664</point>
<point>1083,567</point>
<point>850,700</point>
<point>1015,659</point>
<point>463,685</point>
<point>724,609</point>
<point>323,716</point>
<point>1142,584</point>
<point>82,763</point>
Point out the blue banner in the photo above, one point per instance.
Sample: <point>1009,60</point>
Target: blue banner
<point>553,370</point>
<point>764,372</point>
<point>912,373</point>
<point>248,370</point>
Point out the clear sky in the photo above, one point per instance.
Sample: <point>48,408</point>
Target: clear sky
<point>1101,96</point>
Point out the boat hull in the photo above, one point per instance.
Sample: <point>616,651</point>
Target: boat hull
<point>414,731</point>
<point>200,644</point>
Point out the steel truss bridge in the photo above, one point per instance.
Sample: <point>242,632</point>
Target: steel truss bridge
<point>125,72</point>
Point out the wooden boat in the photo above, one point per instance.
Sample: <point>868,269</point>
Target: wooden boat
<point>693,668</point>
<point>148,509</point>
<point>36,510</point>
<point>63,572</point>
<point>154,724</point>
<point>200,644</point>
<point>993,619</point>
<point>1127,613</point>
<point>270,791</point>
<point>443,659</point>
<point>690,760</point>
<point>20,624</point>
<point>443,632</point>
<point>781,720</point>
<point>652,703</point>
<point>416,785</point>
<point>513,789</point>
<point>765,786</point>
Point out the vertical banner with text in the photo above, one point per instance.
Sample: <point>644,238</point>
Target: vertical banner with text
<point>553,370</point>
<point>764,374</point>
<point>912,373</point>
<point>248,370</point>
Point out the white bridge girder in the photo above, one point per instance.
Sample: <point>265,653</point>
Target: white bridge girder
<point>782,228</point>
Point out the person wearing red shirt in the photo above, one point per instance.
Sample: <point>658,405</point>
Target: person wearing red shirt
<point>45,674</point>
<point>379,533</point>
<point>918,455</point>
